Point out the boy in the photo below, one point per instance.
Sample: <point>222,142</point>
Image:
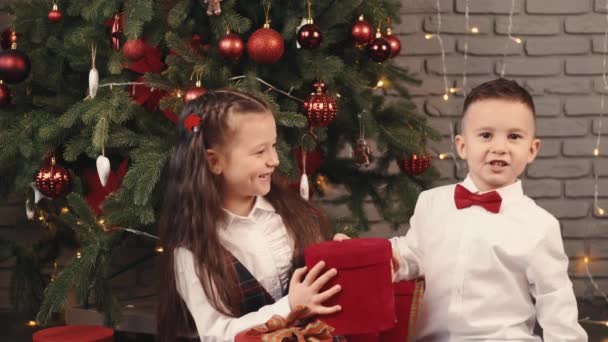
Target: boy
<point>484,248</point>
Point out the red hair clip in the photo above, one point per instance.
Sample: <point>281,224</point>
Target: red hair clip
<point>192,122</point>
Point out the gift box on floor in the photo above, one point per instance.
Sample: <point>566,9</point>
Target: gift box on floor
<point>279,329</point>
<point>364,273</point>
<point>75,333</point>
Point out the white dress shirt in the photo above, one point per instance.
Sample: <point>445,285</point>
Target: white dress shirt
<point>483,269</point>
<point>261,243</point>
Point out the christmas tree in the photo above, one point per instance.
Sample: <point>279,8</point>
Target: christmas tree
<point>87,130</point>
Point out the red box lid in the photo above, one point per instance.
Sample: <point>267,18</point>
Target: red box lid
<point>353,253</point>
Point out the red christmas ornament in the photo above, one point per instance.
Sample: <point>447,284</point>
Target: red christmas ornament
<point>55,15</point>
<point>194,92</point>
<point>14,65</point>
<point>116,25</point>
<point>379,49</point>
<point>361,32</point>
<point>314,160</point>
<point>5,95</point>
<point>310,36</point>
<point>134,49</point>
<point>231,46</point>
<point>320,109</point>
<point>394,42</point>
<point>319,84</point>
<point>53,180</point>
<point>415,165</point>
<point>265,46</point>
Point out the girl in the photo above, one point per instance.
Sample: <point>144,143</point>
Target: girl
<point>230,232</point>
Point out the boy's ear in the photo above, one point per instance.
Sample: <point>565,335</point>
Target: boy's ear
<point>214,161</point>
<point>460,146</point>
<point>534,147</point>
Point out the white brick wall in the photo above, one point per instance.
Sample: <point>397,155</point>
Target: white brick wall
<point>560,63</point>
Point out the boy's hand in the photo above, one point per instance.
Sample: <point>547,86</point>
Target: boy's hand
<point>395,265</point>
<point>306,292</point>
<point>341,237</point>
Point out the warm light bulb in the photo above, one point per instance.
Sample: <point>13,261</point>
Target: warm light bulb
<point>446,97</point>
<point>596,151</point>
<point>429,36</point>
<point>380,84</point>
<point>65,210</point>
<point>101,221</point>
<point>31,323</point>
<point>586,260</point>
<point>78,255</point>
<point>443,155</point>
<point>600,211</point>
<point>159,249</point>
<point>517,40</point>
<point>474,30</point>
<point>453,90</point>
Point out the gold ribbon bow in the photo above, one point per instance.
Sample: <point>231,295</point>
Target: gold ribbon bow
<point>279,329</point>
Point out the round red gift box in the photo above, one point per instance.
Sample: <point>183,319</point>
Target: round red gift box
<point>75,333</point>
<point>364,273</point>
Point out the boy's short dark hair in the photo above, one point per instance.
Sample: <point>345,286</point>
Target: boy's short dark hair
<point>499,89</point>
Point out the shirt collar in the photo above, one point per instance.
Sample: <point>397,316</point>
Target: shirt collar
<point>507,193</point>
<point>261,205</point>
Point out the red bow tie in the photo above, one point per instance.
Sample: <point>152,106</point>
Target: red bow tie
<point>464,198</point>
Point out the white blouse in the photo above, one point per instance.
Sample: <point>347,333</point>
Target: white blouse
<point>261,243</point>
<point>483,269</point>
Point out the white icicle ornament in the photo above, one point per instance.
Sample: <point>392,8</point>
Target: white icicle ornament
<point>29,211</point>
<point>103,169</point>
<point>93,82</point>
<point>93,74</point>
<point>304,193</point>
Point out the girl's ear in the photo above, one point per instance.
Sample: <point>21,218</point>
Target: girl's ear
<point>214,160</point>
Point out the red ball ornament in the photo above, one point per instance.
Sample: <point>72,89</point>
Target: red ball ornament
<point>361,32</point>
<point>5,95</point>
<point>379,49</point>
<point>14,66</point>
<point>265,46</point>
<point>134,49</point>
<point>310,36</point>
<point>194,92</point>
<point>394,42</point>
<point>55,15</point>
<point>231,46</point>
<point>320,109</point>
<point>415,165</point>
<point>53,180</point>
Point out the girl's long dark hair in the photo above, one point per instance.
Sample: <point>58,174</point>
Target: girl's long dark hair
<point>192,209</point>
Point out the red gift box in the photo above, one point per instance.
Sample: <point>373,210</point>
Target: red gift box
<point>74,333</point>
<point>279,329</point>
<point>364,273</point>
<point>408,298</point>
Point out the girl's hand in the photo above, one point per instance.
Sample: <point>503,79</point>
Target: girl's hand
<point>341,237</point>
<point>305,292</point>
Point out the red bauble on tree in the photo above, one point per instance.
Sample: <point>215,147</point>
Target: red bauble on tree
<point>320,109</point>
<point>361,32</point>
<point>53,180</point>
<point>310,35</point>
<point>394,42</point>
<point>265,46</point>
<point>14,65</point>
<point>415,164</point>
<point>5,95</point>
<point>55,15</point>
<point>231,46</point>
<point>379,49</point>
<point>134,49</point>
<point>194,92</point>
